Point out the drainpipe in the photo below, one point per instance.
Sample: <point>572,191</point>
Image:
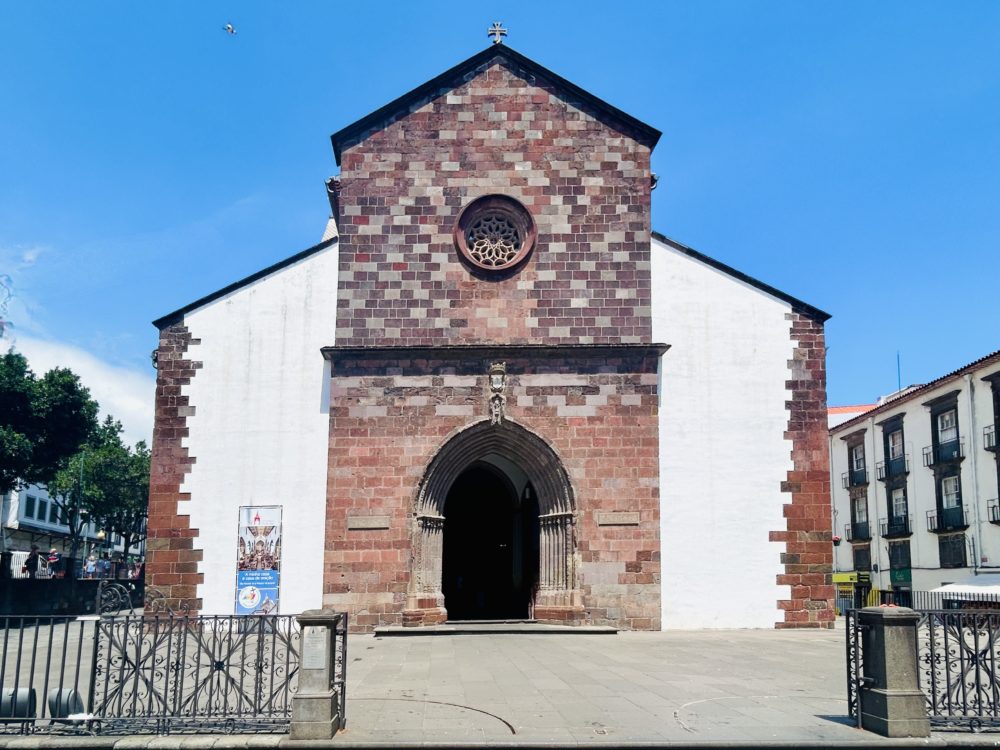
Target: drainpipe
<point>974,456</point>
<point>833,502</point>
<point>876,529</point>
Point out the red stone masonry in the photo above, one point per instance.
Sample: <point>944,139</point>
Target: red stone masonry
<point>391,413</point>
<point>808,556</point>
<point>171,557</point>
<point>499,129</point>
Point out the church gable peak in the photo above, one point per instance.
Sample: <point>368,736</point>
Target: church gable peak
<point>501,54</point>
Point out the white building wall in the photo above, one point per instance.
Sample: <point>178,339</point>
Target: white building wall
<point>979,485</point>
<point>259,433</point>
<point>723,455</point>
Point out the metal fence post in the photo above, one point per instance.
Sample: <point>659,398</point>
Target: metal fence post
<point>316,705</point>
<point>891,702</point>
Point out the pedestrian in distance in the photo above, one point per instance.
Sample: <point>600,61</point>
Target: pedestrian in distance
<point>31,562</point>
<point>90,568</point>
<point>55,563</point>
<point>104,567</point>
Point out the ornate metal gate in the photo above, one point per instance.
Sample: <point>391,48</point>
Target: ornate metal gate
<point>958,653</point>
<point>171,673</point>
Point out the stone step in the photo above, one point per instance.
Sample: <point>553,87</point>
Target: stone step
<point>494,627</point>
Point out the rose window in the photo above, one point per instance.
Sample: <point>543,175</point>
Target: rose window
<point>494,233</point>
<point>493,240</point>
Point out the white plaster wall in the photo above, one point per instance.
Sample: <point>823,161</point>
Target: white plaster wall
<point>723,454</point>
<point>260,429</point>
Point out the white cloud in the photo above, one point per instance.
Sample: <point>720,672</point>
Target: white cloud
<point>122,392</point>
<point>29,256</point>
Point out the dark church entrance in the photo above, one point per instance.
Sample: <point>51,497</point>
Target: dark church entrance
<point>490,558</point>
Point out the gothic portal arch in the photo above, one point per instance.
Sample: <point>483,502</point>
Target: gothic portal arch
<point>517,451</point>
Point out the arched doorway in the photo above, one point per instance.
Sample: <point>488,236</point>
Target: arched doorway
<point>490,553</point>
<point>506,466</point>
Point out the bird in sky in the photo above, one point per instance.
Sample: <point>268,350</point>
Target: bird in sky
<point>229,28</point>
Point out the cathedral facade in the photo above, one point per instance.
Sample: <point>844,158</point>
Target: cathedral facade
<point>493,392</point>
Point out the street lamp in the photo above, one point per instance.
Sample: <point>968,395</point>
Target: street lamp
<point>101,570</point>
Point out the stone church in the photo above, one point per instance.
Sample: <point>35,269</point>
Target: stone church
<point>494,392</point>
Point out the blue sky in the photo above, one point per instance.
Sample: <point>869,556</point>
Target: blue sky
<point>847,153</point>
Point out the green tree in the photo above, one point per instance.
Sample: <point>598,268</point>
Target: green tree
<point>106,482</point>
<point>43,421</point>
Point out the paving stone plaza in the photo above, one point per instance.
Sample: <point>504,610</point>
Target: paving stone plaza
<point>668,689</point>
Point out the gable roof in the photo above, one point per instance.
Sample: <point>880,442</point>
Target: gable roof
<point>434,87</point>
<point>797,305</point>
<point>908,394</point>
<point>177,315</point>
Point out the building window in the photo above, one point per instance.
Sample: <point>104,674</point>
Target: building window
<point>859,508</point>
<point>899,555</point>
<point>857,457</point>
<point>952,551</point>
<point>43,510</point>
<point>894,451</point>
<point>895,443</point>
<point>899,509</point>
<point>863,557</point>
<point>951,492</point>
<point>54,513</point>
<point>29,506</point>
<point>947,426</point>
<point>494,233</point>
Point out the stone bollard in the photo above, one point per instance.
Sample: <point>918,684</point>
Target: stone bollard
<point>316,710</point>
<point>890,700</point>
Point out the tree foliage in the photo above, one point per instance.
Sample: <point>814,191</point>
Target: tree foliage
<point>43,421</point>
<point>106,482</point>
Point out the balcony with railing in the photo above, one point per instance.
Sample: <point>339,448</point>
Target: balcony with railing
<point>947,519</point>
<point>857,532</point>
<point>893,467</point>
<point>993,507</point>
<point>854,478</point>
<point>944,453</point>
<point>990,437</point>
<point>896,526</point>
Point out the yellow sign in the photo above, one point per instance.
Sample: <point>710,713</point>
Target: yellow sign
<point>845,577</point>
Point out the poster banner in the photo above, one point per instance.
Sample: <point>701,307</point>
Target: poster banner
<point>258,560</point>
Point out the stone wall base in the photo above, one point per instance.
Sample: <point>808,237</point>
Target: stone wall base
<point>415,618</point>
<point>561,615</point>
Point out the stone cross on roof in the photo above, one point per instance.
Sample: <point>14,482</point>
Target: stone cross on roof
<point>497,31</point>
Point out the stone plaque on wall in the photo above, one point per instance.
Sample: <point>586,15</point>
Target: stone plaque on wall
<point>367,522</point>
<point>618,518</point>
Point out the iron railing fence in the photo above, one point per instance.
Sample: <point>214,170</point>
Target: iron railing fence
<point>892,467</point>
<point>855,665</point>
<point>957,666</point>
<point>923,600</point>
<point>941,453</point>
<point>896,526</point>
<point>947,519</point>
<point>957,659</point>
<point>155,672</point>
<point>45,672</point>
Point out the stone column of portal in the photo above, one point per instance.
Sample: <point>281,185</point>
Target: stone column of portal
<point>557,599</point>
<point>890,700</point>
<point>317,705</point>
<point>425,602</point>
